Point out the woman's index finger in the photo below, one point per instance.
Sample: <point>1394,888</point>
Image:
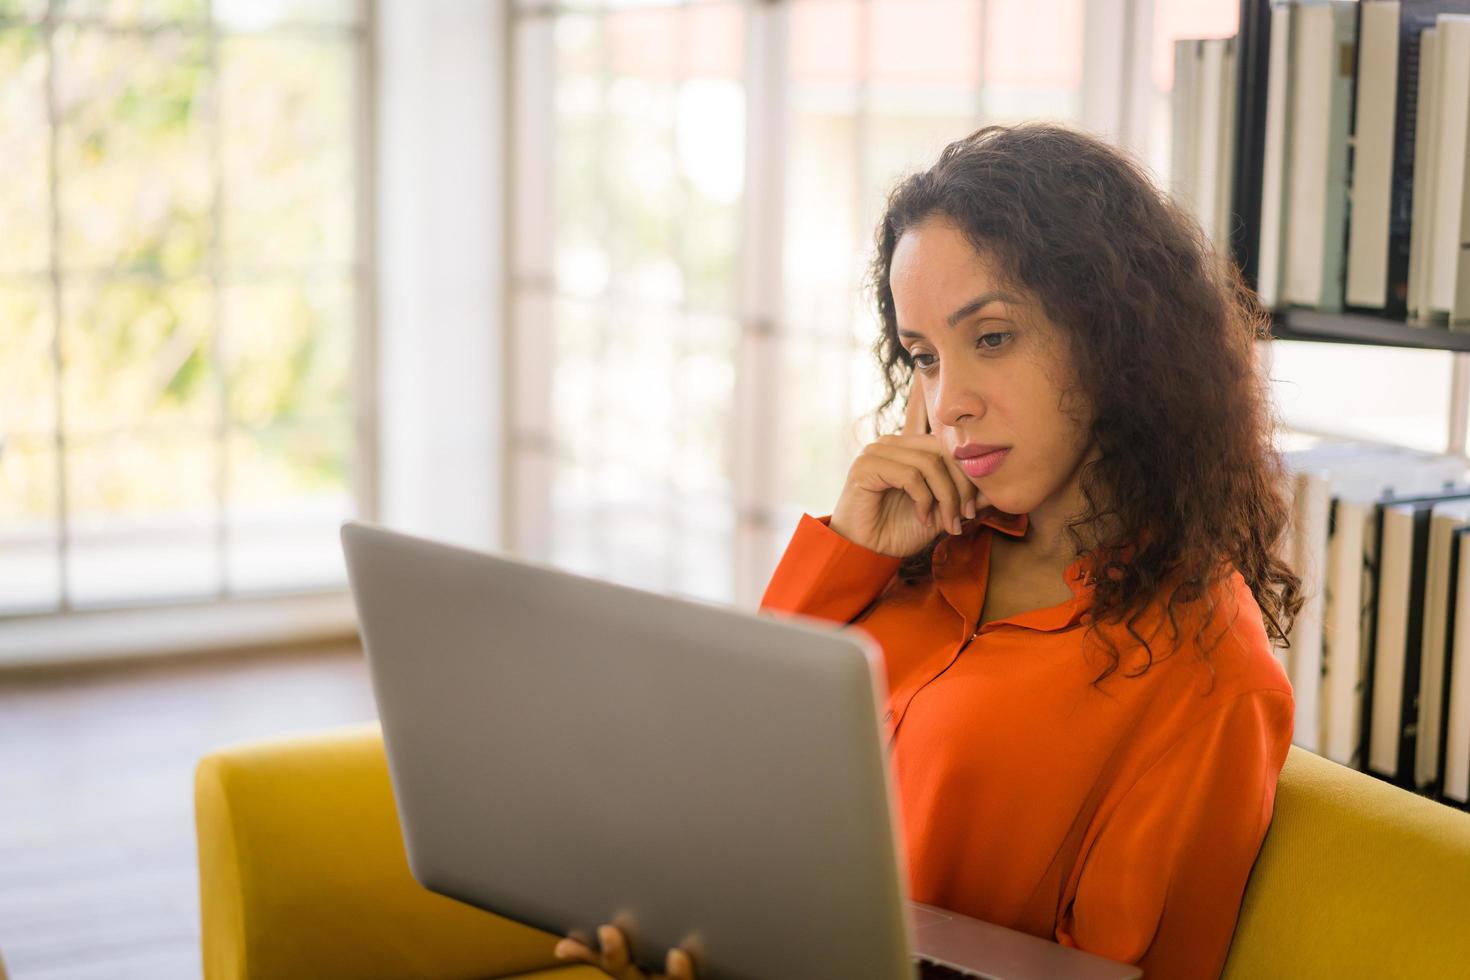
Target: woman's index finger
<point>916,418</point>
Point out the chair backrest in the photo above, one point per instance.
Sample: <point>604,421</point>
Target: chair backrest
<point>1355,878</point>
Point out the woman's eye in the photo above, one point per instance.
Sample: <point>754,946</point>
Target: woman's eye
<point>923,365</point>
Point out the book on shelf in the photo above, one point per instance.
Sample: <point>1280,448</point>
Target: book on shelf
<point>1446,520</point>
<point>1320,88</point>
<point>1277,121</point>
<point>1333,485</point>
<point>1454,741</point>
<point>1386,132</point>
<point>1361,113</point>
<point>1451,103</point>
<point>1396,656</point>
<point>1379,655</point>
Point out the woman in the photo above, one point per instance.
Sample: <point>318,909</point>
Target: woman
<point>1085,717</point>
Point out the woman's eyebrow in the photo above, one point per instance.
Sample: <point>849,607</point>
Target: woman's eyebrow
<point>969,309</point>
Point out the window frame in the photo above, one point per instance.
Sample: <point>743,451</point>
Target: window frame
<point>19,627</point>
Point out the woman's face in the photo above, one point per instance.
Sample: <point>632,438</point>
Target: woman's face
<point>995,373</point>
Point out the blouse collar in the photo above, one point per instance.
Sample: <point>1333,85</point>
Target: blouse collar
<point>958,571</point>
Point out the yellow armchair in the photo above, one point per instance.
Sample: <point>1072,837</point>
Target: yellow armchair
<point>303,874</point>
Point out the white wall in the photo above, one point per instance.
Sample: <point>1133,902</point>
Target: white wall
<point>440,235</point>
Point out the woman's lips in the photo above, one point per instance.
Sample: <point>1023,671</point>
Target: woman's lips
<point>979,466</point>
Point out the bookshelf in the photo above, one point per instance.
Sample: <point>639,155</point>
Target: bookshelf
<point>1377,654</point>
<point>1358,328</point>
<point>1292,323</point>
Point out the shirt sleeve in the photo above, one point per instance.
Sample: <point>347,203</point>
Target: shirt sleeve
<point>1162,882</point>
<point>823,574</point>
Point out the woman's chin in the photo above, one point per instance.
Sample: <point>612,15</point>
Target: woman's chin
<point>1002,501</point>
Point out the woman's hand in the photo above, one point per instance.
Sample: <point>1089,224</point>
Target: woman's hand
<point>900,484</point>
<point>615,960</point>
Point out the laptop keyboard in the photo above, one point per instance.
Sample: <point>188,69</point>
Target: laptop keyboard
<point>934,971</point>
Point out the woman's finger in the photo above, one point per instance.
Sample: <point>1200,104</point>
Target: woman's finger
<point>941,484</point>
<point>916,417</point>
<point>615,959</point>
<point>970,496</point>
<point>678,965</point>
<point>573,949</point>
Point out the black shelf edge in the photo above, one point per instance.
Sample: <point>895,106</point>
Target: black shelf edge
<point>1358,328</point>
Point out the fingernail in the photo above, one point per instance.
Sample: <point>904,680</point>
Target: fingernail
<point>956,524</point>
<point>970,509</point>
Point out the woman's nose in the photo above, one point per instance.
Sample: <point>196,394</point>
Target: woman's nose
<point>954,401</point>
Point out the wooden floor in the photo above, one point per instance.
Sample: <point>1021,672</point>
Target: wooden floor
<point>97,855</point>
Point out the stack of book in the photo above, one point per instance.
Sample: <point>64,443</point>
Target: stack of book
<point>1364,201</point>
<point>1379,656</point>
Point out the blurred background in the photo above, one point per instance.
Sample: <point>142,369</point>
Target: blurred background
<point>579,281</point>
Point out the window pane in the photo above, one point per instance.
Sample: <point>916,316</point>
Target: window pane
<point>642,400</point>
<point>24,195</point>
<point>927,43</point>
<point>824,227</point>
<point>142,513</point>
<point>22,9</point>
<point>826,42</point>
<point>287,349</point>
<point>137,353</point>
<point>27,374</point>
<point>30,564</point>
<point>289,491</point>
<point>704,391</point>
<point>582,260</point>
<point>710,147</point>
<point>260,15</point>
<point>818,438</point>
<point>1378,393</point>
<point>287,145</point>
<point>133,155</point>
<point>135,11</point>
<point>151,145</point>
<point>1033,60</point>
<point>824,250</point>
<point>639,161</point>
<point>649,148</point>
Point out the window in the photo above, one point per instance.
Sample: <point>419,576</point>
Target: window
<point>694,189</point>
<point>180,297</point>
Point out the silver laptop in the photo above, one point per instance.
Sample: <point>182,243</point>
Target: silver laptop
<point>566,751</point>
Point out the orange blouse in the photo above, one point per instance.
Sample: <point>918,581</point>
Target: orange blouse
<point>1121,819</point>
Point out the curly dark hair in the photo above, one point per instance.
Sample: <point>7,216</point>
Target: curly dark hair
<point>1161,331</point>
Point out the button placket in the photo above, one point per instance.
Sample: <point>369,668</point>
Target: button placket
<point>908,698</point>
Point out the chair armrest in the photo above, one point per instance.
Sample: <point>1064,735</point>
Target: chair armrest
<point>302,873</point>
<point>1355,878</point>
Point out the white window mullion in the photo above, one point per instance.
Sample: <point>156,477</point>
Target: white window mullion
<point>528,351</point>
<point>439,189</point>
<point>365,413</point>
<point>757,417</point>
